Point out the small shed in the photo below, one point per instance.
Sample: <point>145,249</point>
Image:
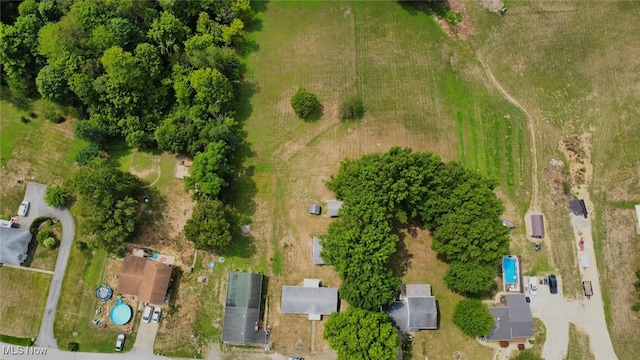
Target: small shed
<point>315,209</point>
<point>317,249</point>
<point>333,207</point>
<point>537,226</point>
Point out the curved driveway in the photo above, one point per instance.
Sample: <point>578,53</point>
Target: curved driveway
<point>35,194</point>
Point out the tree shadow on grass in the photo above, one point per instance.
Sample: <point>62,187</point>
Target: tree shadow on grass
<point>436,7</point>
<point>400,260</point>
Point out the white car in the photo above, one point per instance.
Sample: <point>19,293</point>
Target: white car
<point>24,208</point>
<point>120,342</point>
<point>146,314</point>
<point>533,285</point>
<point>156,315</point>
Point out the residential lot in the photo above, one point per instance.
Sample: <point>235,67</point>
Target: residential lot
<point>24,294</point>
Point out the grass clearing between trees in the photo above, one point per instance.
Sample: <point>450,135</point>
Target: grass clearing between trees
<point>24,294</point>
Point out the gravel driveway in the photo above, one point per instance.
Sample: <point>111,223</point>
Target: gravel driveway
<point>35,195</point>
<point>588,314</point>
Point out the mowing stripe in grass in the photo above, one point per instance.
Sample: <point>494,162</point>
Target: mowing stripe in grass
<point>461,146</point>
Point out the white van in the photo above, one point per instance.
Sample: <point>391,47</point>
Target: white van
<point>533,285</point>
<point>146,314</point>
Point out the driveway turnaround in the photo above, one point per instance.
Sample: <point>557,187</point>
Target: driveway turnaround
<point>35,194</point>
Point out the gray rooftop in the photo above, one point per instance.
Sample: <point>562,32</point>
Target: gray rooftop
<point>317,249</point>
<point>333,208</point>
<point>14,245</point>
<point>309,300</point>
<point>242,309</point>
<point>315,209</point>
<point>512,321</point>
<point>417,310</point>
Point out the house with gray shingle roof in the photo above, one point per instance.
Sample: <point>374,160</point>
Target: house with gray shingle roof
<point>513,322</point>
<point>310,299</point>
<point>14,245</point>
<point>416,309</point>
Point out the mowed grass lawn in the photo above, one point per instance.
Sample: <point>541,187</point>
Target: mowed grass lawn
<point>420,89</point>
<point>576,66</point>
<point>22,300</point>
<point>36,151</point>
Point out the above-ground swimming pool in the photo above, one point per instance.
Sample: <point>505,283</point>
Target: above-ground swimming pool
<point>511,273</point>
<point>121,314</point>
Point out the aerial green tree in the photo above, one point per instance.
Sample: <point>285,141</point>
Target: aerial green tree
<point>56,196</point>
<point>470,278</point>
<point>351,108</point>
<point>369,286</point>
<point>210,173</point>
<point>168,32</point>
<point>473,318</point>
<point>306,104</point>
<point>106,203</point>
<point>209,226</point>
<point>362,334</point>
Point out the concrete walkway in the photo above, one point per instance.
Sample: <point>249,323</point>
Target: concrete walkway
<point>35,194</point>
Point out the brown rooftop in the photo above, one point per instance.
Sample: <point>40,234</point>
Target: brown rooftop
<point>145,278</point>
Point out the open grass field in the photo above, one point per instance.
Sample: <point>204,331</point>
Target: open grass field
<point>575,67</point>
<point>36,151</point>
<point>24,294</point>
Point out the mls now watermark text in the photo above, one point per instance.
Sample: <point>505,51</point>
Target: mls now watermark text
<point>23,350</point>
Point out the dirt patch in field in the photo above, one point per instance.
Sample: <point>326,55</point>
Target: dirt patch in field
<point>577,150</point>
<point>558,181</point>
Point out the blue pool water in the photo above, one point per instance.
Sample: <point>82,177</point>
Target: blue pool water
<point>510,270</point>
<point>121,314</point>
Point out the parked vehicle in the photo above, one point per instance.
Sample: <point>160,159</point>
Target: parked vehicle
<point>553,284</point>
<point>120,342</point>
<point>146,314</point>
<point>588,290</point>
<point>533,285</point>
<point>24,208</point>
<point>156,315</point>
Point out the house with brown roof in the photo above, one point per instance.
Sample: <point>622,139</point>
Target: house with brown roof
<point>145,278</point>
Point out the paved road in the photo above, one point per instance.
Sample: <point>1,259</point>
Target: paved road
<point>11,352</point>
<point>35,194</point>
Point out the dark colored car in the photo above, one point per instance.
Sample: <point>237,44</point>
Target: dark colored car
<point>553,284</point>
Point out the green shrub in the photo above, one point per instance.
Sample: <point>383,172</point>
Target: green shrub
<point>473,318</point>
<point>306,105</point>
<point>24,120</point>
<point>35,225</point>
<point>43,235</point>
<point>54,117</point>
<point>33,115</point>
<point>73,346</point>
<point>352,108</point>
<point>50,243</point>
<point>87,154</point>
<point>636,307</point>
<point>56,196</point>
<point>453,17</point>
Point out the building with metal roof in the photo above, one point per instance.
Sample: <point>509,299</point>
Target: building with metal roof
<point>333,208</point>
<point>242,310</point>
<point>309,299</point>
<point>513,322</point>
<point>14,245</point>
<point>416,309</point>
<point>317,250</point>
<point>537,226</point>
<point>315,209</point>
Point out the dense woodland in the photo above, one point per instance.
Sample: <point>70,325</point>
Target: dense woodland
<point>384,193</point>
<point>150,74</point>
